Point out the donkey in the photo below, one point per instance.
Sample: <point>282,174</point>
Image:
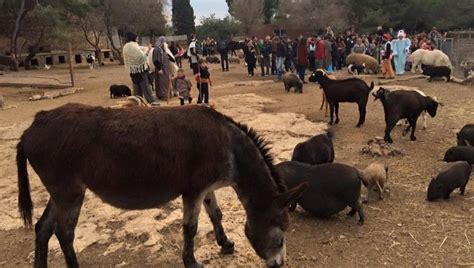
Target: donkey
<point>174,151</point>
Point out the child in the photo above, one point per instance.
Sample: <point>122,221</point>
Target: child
<point>183,86</point>
<point>203,79</point>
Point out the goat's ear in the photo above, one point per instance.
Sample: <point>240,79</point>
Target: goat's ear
<point>284,199</point>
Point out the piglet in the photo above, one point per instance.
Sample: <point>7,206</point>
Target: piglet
<point>465,137</point>
<point>456,175</point>
<point>332,187</point>
<point>375,176</point>
<point>436,71</point>
<point>316,150</point>
<point>460,153</point>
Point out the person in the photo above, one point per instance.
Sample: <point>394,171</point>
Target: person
<point>183,86</point>
<point>329,32</point>
<point>265,54</point>
<point>387,59</point>
<point>223,48</point>
<point>311,56</point>
<point>250,58</point>
<point>320,53</point>
<point>328,57</point>
<point>427,45</point>
<point>136,63</point>
<point>281,53</point>
<point>193,56</point>
<point>179,56</point>
<point>349,42</point>
<point>162,69</point>
<point>290,53</point>
<point>302,58</point>
<point>359,47</point>
<point>400,48</point>
<point>90,60</point>
<point>341,48</point>
<point>275,43</point>
<point>203,79</point>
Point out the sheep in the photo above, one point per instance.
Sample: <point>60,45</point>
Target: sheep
<point>292,80</point>
<point>234,60</point>
<point>375,176</point>
<point>401,104</point>
<point>359,59</point>
<point>316,150</point>
<point>347,90</point>
<point>427,57</point>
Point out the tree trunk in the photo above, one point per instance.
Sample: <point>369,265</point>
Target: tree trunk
<point>13,47</point>
<point>33,50</point>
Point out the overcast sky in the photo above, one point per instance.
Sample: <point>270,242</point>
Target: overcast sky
<point>208,7</point>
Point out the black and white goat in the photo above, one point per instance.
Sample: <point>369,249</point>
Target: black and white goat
<point>402,104</point>
<point>347,90</point>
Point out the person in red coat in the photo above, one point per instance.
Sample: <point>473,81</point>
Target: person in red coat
<point>320,53</point>
<point>302,58</point>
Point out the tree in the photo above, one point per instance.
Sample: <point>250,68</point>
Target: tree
<point>217,28</point>
<point>183,17</point>
<point>270,7</point>
<point>248,12</point>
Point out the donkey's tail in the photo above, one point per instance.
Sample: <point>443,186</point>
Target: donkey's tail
<point>25,205</point>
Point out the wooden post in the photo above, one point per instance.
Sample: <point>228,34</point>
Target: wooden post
<point>71,68</point>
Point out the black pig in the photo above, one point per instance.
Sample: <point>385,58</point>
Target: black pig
<point>317,150</point>
<point>466,136</point>
<point>436,71</point>
<point>332,187</point>
<point>454,176</point>
<point>460,153</point>
<point>119,91</point>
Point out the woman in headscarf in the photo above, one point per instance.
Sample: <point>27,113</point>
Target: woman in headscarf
<point>137,65</point>
<point>162,69</point>
<point>400,48</point>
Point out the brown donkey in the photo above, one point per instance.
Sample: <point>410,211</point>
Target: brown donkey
<point>141,158</point>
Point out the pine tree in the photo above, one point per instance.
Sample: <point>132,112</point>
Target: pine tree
<point>183,17</point>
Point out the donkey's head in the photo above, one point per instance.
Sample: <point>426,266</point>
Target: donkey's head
<point>265,229</point>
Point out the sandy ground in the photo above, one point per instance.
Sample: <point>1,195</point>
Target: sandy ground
<point>402,230</point>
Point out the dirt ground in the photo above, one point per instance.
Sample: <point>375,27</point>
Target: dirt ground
<point>402,230</point>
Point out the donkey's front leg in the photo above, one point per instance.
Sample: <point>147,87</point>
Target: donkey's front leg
<point>191,209</point>
<point>214,212</point>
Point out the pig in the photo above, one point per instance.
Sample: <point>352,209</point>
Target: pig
<point>331,187</point>
<point>465,137</point>
<point>460,153</point>
<point>436,71</point>
<point>291,80</point>
<point>119,91</point>
<point>317,150</point>
<point>375,176</point>
<point>456,175</point>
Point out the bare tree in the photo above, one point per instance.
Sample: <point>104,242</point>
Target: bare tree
<point>93,27</point>
<point>315,14</point>
<point>248,12</point>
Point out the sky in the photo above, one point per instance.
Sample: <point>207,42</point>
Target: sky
<point>208,7</point>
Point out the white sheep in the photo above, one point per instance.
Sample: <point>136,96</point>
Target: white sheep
<point>428,57</point>
<point>375,176</point>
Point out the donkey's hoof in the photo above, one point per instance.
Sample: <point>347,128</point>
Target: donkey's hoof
<point>228,247</point>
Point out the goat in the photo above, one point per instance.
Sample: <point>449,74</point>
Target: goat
<point>347,90</point>
<point>403,104</point>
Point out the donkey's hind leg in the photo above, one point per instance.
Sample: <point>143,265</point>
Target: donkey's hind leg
<point>214,212</point>
<point>68,210</point>
<point>191,210</point>
<point>44,229</point>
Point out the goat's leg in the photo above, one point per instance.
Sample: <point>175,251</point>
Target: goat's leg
<point>44,229</point>
<point>390,124</point>
<point>331,113</point>
<point>191,210</point>
<point>326,108</point>
<point>215,214</point>
<point>323,97</point>
<point>412,122</point>
<point>336,106</point>
<point>362,113</point>
<point>425,125</point>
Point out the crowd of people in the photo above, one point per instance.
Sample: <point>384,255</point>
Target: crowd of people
<point>273,55</point>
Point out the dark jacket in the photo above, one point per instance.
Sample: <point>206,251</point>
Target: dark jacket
<point>281,51</point>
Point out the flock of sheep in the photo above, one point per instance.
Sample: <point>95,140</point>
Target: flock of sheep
<point>312,160</point>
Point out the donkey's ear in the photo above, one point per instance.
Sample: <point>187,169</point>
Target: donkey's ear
<point>284,199</point>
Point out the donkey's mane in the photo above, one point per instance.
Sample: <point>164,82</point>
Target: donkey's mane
<point>264,149</point>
